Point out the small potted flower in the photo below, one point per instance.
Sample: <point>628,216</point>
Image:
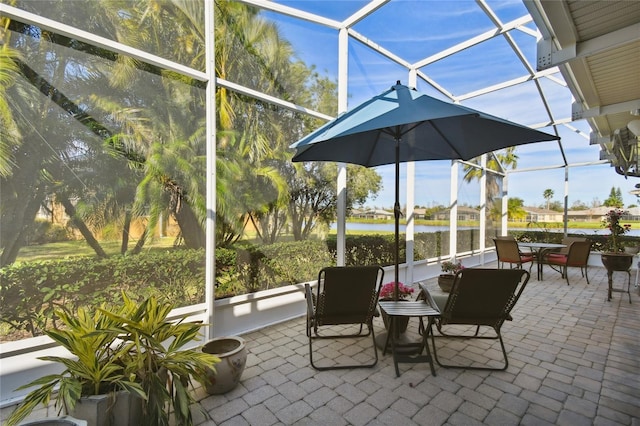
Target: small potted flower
<point>614,257</point>
<point>387,293</point>
<point>449,270</point>
<point>388,289</point>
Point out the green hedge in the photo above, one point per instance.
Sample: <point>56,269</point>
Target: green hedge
<point>598,241</point>
<point>30,291</point>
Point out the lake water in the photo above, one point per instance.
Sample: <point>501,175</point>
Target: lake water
<point>389,227</point>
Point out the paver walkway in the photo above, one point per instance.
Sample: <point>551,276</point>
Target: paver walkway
<point>574,360</point>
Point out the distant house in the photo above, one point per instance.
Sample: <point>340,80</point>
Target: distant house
<point>419,213</point>
<point>372,214</point>
<point>597,214</point>
<point>535,214</point>
<point>464,213</point>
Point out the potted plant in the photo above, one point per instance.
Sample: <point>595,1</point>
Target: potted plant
<point>387,292</point>
<point>449,270</point>
<point>232,352</point>
<point>614,257</point>
<point>131,350</point>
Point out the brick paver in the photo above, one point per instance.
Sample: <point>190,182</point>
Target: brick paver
<point>574,359</point>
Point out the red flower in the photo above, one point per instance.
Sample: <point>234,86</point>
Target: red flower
<point>387,291</point>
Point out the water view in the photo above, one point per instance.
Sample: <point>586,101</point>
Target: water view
<point>389,227</point>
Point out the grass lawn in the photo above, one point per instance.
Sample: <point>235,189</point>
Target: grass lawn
<point>67,249</point>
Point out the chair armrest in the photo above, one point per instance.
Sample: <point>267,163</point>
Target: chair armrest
<point>308,294</point>
<point>426,295</point>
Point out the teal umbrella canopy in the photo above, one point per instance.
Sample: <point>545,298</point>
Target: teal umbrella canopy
<point>426,129</point>
<point>402,125</point>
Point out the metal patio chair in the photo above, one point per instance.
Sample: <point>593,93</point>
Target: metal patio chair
<point>577,256</point>
<point>346,295</point>
<point>481,298</point>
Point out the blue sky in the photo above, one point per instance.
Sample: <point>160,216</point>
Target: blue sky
<point>415,30</point>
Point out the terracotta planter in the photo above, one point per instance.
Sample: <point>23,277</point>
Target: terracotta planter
<point>232,351</point>
<point>617,261</point>
<point>445,281</point>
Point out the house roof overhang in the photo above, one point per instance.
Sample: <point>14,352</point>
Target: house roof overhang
<point>596,47</point>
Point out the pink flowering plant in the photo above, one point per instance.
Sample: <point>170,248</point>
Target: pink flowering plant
<point>451,267</point>
<point>611,221</point>
<point>387,291</point>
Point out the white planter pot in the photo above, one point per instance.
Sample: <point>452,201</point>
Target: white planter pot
<point>56,421</point>
<point>232,351</point>
<point>100,410</point>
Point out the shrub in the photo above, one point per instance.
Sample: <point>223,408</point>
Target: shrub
<point>44,232</point>
<point>30,292</point>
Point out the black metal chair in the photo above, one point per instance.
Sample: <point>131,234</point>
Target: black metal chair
<point>346,295</point>
<point>481,298</point>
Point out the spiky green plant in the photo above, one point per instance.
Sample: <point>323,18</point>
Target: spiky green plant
<point>97,367</point>
<point>163,367</point>
<point>131,347</point>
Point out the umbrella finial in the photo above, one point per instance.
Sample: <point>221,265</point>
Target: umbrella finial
<point>397,82</point>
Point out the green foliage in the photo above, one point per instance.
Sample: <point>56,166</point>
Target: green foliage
<point>43,232</point>
<point>599,242</point>
<point>294,263</point>
<point>99,368</point>
<point>157,358</point>
<point>614,199</point>
<point>128,346</point>
<point>275,265</point>
<point>369,249</point>
<point>30,292</point>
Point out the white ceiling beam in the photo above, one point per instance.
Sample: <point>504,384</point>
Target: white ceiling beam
<point>101,42</point>
<point>294,13</point>
<point>578,112</point>
<point>270,99</point>
<point>558,166</point>
<point>472,42</point>
<point>375,46</point>
<point>550,56</point>
<point>436,86</point>
<point>505,84</point>
<point>363,13</point>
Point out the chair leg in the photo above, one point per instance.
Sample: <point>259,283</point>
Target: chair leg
<point>586,273</point>
<point>499,337</point>
<point>345,366</point>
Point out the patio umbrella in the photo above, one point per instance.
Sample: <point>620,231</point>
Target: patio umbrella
<point>402,125</point>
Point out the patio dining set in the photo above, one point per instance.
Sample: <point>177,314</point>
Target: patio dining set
<point>478,304</point>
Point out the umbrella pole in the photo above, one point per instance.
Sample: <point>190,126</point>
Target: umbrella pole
<point>396,213</point>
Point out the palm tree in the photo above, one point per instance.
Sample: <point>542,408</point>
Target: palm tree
<point>507,159</point>
<point>548,195</point>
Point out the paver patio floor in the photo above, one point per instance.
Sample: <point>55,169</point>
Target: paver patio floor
<point>574,360</point>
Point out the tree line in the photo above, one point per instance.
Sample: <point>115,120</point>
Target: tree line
<point>113,140</point>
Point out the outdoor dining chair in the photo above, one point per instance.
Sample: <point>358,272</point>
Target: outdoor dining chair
<point>479,298</point>
<point>508,252</point>
<point>345,296</point>
<point>577,256</point>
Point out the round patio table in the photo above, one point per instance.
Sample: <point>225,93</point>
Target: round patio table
<point>539,250</point>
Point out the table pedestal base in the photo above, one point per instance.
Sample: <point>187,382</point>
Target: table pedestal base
<point>409,352</point>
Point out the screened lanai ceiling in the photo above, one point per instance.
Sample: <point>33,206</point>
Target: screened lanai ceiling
<point>490,55</point>
<point>596,46</point>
